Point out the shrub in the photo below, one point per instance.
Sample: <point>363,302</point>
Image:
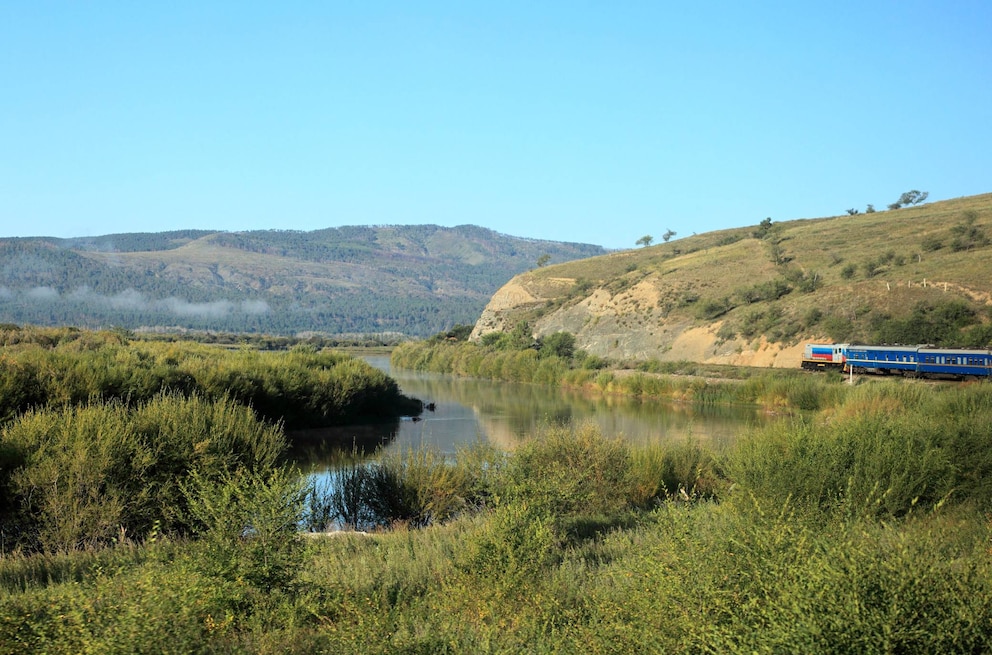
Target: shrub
<point>79,476</point>
<point>248,524</point>
<point>713,308</point>
<point>557,344</point>
<point>681,470</point>
<point>567,470</point>
<point>513,549</point>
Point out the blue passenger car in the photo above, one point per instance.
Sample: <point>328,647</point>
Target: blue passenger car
<point>886,360</point>
<point>949,362</point>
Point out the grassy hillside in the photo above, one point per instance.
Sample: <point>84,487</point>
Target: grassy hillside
<point>409,279</point>
<point>750,295</point>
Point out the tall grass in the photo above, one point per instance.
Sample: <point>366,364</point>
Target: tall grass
<point>887,450</point>
<point>81,476</point>
<point>860,529</point>
<point>301,388</point>
<point>673,381</point>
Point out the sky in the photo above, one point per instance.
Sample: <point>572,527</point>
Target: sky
<point>591,122</point>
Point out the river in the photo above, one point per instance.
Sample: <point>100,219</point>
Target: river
<point>467,410</point>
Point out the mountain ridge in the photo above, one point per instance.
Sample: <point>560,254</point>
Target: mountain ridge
<point>413,280</point>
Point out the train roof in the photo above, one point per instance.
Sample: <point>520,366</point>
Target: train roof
<point>954,351</point>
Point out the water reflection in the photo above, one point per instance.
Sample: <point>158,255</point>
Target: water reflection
<point>502,413</point>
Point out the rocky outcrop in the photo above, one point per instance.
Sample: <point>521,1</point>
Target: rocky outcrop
<point>628,325</point>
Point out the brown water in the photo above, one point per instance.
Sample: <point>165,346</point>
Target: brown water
<point>502,413</point>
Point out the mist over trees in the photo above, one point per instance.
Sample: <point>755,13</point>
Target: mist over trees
<point>415,280</point>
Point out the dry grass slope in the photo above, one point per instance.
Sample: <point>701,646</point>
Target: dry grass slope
<point>748,295</point>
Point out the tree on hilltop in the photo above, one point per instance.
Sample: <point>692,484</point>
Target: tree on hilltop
<point>913,197</point>
<point>646,240</point>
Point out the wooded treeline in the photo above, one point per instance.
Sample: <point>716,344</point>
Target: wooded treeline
<point>416,280</point>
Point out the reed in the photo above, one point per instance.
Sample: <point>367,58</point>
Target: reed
<point>861,528</point>
<point>672,381</point>
<point>81,476</point>
<point>301,388</point>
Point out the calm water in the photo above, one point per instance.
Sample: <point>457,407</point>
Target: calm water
<point>502,413</point>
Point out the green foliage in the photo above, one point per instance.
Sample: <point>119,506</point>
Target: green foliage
<point>557,344</point>
<point>81,476</point>
<point>865,532</point>
<point>764,291</point>
<point>712,308</point>
<point>763,229</point>
<point>940,324</point>
<point>891,451</point>
<point>248,527</point>
<point>848,271</point>
<point>457,333</point>
<point>967,235</point>
<point>364,496</point>
<point>813,316</point>
<point>516,545</point>
<point>570,470</point>
<point>646,240</point>
<point>304,387</point>
<point>681,470</point>
<point>518,338</point>
<point>839,329</point>
<point>913,197</point>
<point>417,489</point>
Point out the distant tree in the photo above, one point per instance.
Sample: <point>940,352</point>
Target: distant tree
<point>870,209</point>
<point>913,197</point>
<point>543,259</point>
<point>459,332</point>
<point>763,228</point>
<point>645,240</point>
<point>852,212</point>
<point>561,344</point>
<point>667,235</point>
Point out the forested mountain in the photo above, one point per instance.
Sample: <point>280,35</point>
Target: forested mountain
<point>416,280</point>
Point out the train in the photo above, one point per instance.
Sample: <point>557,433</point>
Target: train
<point>922,361</point>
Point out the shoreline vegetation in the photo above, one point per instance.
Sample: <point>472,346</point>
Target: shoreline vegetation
<point>170,523</point>
<point>534,362</point>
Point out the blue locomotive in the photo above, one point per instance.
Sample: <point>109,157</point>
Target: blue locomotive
<point>910,361</point>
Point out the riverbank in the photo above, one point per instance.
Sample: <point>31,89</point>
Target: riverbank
<point>862,530</point>
<point>774,390</point>
<point>860,525</point>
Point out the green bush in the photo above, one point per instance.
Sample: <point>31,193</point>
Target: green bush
<point>569,470</point>
<point>888,452</point>
<point>248,526</point>
<point>683,470</point>
<point>81,476</point>
<point>301,388</point>
<point>516,545</point>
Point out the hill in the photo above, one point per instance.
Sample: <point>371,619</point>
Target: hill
<point>414,280</point>
<point>754,295</point>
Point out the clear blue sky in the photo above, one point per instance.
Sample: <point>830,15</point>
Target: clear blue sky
<point>597,122</point>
